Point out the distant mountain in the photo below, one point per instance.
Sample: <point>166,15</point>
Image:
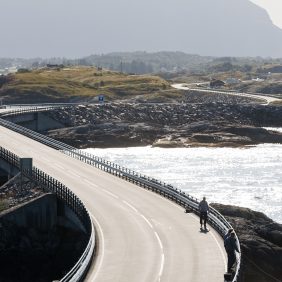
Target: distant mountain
<point>163,62</point>
<point>218,28</point>
<point>144,62</point>
<point>213,28</point>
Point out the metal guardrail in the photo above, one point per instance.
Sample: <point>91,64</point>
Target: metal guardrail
<point>53,105</point>
<point>17,109</point>
<point>183,199</point>
<point>49,184</point>
<point>32,109</point>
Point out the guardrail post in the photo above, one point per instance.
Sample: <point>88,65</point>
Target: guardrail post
<point>25,168</point>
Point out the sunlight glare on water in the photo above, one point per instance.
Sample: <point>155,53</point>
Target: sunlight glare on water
<point>249,177</point>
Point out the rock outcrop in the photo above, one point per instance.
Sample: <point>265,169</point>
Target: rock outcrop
<point>167,125</point>
<point>261,243</point>
<point>18,191</point>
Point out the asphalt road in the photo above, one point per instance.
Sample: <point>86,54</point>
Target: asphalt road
<point>141,236</point>
<point>265,98</point>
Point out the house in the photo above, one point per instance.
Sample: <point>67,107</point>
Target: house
<point>216,83</point>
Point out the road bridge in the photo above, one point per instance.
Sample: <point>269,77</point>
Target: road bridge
<point>141,235</point>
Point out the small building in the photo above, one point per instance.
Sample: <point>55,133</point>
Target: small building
<point>258,79</point>
<point>216,83</point>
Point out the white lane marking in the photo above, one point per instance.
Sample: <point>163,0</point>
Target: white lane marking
<point>220,248</point>
<point>129,205</point>
<point>72,173</point>
<point>146,219</point>
<point>58,166</point>
<point>159,240</point>
<point>162,267</point>
<point>90,183</point>
<point>110,193</point>
<point>162,259</point>
<point>156,234</point>
<point>197,219</point>
<point>96,186</point>
<point>102,249</point>
<point>75,174</point>
<point>148,222</point>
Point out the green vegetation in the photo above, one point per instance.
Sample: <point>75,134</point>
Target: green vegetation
<point>277,103</point>
<point>78,84</point>
<point>58,80</point>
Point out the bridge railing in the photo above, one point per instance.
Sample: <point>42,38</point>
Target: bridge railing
<point>31,109</point>
<point>53,105</point>
<point>49,184</point>
<point>183,199</point>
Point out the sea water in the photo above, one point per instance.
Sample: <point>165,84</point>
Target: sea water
<point>249,176</point>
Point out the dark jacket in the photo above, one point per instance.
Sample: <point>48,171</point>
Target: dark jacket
<point>230,244</point>
<point>203,206</point>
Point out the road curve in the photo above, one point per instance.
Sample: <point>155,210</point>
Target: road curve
<point>267,99</point>
<point>141,236</point>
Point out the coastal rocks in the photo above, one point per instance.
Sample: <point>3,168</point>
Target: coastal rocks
<point>108,134</point>
<point>225,136</point>
<point>261,243</point>
<point>220,137</point>
<point>194,96</point>
<point>167,125</point>
<point>16,192</point>
<point>258,135</point>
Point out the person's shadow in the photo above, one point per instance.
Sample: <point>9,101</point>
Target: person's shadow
<point>204,230</point>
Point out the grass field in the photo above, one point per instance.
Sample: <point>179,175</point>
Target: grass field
<point>78,84</point>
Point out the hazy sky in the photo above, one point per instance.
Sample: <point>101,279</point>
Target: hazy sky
<point>274,8</point>
<point>73,28</point>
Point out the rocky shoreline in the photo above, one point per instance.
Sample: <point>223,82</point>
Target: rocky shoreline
<point>260,240</point>
<point>167,125</point>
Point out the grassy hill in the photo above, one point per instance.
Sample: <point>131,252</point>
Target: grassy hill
<point>73,84</point>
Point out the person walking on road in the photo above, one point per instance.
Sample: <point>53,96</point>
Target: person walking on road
<point>203,208</point>
<point>231,248</point>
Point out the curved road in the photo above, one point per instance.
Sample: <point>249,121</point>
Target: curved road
<point>141,236</point>
<point>267,99</point>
